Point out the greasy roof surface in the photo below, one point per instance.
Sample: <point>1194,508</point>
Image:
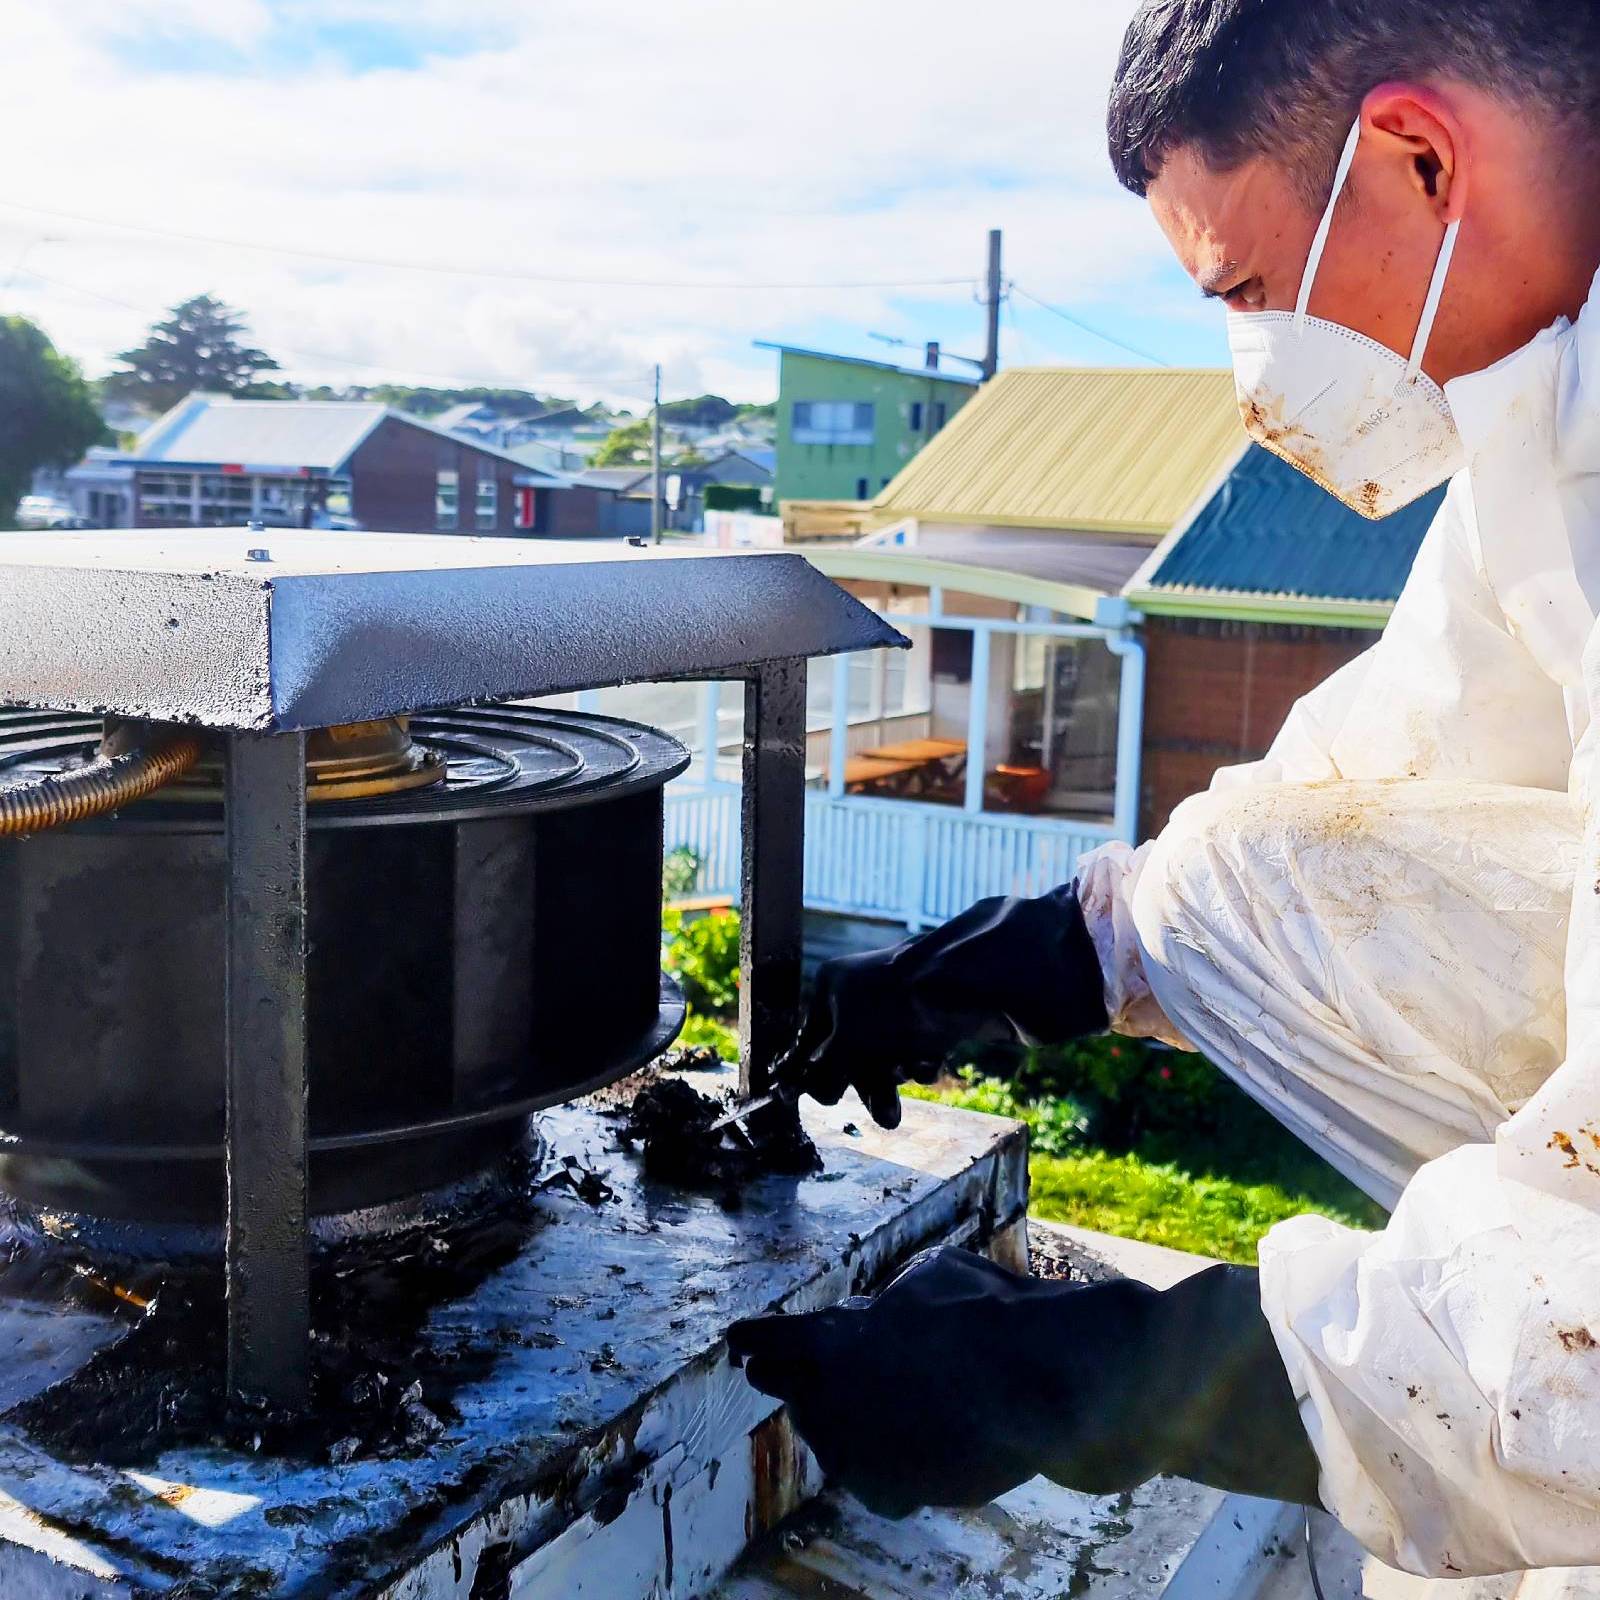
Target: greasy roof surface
<point>1107,449</point>
<point>322,629</point>
<point>1269,530</point>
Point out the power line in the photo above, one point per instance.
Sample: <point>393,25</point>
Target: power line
<point>1089,327</point>
<point>454,270</point>
<point>453,380</point>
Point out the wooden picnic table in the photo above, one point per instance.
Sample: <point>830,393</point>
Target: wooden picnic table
<point>873,768</point>
<point>919,750</point>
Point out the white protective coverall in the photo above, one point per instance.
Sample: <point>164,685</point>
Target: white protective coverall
<point>1388,931</point>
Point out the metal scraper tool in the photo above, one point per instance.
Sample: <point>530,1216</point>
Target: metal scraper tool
<point>784,1094</point>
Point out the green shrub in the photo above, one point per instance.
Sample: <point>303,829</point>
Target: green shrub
<point>680,872</point>
<point>1126,1089</point>
<point>702,953</point>
<point>732,497</point>
<point>1055,1124</point>
<point>707,1033</point>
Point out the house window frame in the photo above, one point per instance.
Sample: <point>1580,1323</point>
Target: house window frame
<point>447,500</point>
<point>166,497</point>
<point>825,422</point>
<point>486,504</point>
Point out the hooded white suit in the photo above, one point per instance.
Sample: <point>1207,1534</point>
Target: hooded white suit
<point>1389,932</point>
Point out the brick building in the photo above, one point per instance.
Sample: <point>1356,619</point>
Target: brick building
<point>215,461</point>
<point>1264,590</point>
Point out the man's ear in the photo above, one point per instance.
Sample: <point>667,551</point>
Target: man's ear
<point>1417,128</point>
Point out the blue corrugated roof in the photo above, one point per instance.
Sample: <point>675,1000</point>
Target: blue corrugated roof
<point>1271,531</point>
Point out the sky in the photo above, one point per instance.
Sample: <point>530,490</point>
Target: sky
<point>557,194</point>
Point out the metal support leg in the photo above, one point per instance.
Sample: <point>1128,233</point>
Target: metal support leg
<point>772,867</point>
<point>268,1266</point>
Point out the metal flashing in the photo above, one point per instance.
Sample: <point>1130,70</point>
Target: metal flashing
<point>196,626</point>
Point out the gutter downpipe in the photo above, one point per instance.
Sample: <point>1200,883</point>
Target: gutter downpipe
<point>978,722</point>
<point>1124,640</point>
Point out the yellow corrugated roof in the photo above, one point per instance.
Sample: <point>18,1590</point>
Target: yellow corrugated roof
<point>1106,449</point>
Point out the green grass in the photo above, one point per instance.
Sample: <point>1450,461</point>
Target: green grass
<point>1163,1192</point>
<point>1136,1199</point>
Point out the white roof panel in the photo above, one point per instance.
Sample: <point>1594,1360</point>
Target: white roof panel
<point>207,428</point>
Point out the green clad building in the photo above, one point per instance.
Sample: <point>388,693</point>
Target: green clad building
<point>847,425</point>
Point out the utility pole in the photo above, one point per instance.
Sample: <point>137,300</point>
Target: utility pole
<point>655,463</point>
<point>992,294</point>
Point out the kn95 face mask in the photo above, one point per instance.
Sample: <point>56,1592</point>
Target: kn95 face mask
<point>1366,424</point>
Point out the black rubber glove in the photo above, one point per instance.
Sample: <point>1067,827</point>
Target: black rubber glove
<point>963,1380</point>
<point>1006,969</point>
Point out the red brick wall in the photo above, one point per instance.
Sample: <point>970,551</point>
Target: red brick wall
<point>1216,693</point>
<point>393,477</point>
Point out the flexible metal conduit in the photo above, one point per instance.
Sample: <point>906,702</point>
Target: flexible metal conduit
<point>106,784</point>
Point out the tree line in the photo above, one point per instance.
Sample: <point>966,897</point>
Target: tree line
<point>50,414</point>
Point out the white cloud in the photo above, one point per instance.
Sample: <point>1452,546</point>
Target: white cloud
<point>703,140</point>
<point>235,22</point>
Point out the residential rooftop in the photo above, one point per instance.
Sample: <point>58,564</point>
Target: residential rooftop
<point>1105,450</point>
<point>315,435</point>
<point>1268,540</point>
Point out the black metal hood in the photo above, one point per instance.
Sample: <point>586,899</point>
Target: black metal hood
<point>279,631</point>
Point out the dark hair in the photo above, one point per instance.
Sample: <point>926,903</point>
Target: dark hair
<point>1285,78</point>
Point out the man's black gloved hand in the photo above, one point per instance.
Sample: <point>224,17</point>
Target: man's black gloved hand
<point>963,1380</point>
<point>1003,969</point>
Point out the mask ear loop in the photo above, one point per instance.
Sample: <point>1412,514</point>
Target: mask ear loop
<point>1430,308</point>
<point>1319,244</point>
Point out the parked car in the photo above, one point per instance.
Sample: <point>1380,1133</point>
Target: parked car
<point>41,511</point>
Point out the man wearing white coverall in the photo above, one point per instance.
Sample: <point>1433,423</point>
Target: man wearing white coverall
<point>1388,931</point>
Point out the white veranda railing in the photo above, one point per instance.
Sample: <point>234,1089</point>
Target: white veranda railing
<point>897,860</point>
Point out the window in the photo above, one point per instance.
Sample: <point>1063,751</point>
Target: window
<point>861,488</point>
<point>916,416</point>
<point>488,505</point>
<point>1062,755</point>
<point>447,499</point>
<point>937,412</point>
<point>282,502</point>
<point>339,498</point>
<point>834,422</point>
<point>167,499</point>
<point>226,500</point>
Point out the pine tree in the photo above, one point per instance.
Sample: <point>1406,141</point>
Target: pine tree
<point>196,348</point>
